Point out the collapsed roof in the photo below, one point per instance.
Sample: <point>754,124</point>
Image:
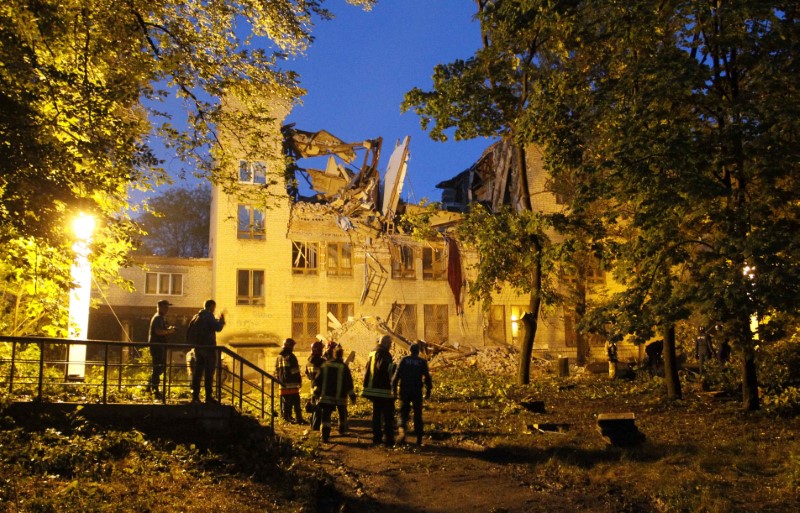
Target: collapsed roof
<point>348,190</point>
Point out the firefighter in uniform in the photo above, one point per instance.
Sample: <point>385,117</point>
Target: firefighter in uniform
<point>287,370</point>
<point>332,386</point>
<point>313,365</point>
<point>378,389</point>
<point>411,374</point>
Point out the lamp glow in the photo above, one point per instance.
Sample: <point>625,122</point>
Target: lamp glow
<point>80,295</point>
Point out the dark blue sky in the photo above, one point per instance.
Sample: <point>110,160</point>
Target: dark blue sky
<point>360,66</point>
<point>362,63</point>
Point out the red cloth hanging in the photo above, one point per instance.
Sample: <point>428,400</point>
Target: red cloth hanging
<point>454,277</point>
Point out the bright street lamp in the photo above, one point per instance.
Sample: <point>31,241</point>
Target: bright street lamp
<point>80,295</point>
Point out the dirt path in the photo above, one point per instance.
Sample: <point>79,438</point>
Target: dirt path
<point>439,476</point>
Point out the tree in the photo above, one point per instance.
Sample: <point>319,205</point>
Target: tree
<point>683,116</point>
<point>172,229</point>
<point>80,86</point>
<point>487,95</point>
<point>513,249</point>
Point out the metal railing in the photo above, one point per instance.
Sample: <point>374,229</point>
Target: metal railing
<point>37,369</point>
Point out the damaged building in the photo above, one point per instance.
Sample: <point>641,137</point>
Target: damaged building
<point>326,259</point>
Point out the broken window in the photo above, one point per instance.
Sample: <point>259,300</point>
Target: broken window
<point>340,259</point>
<point>252,172</point>
<point>342,311</point>
<point>496,329</point>
<point>304,257</point>
<point>403,319</point>
<point>251,223</point>
<point>436,324</point>
<point>305,322</point>
<point>434,265</point>
<point>403,262</point>
<point>249,287</point>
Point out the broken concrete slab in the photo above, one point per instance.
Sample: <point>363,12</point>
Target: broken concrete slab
<point>619,429</point>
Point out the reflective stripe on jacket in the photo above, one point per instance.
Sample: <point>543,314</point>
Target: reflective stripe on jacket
<point>378,376</point>
<point>287,370</point>
<point>334,383</point>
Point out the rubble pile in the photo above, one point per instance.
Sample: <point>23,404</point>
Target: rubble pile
<point>492,360</point>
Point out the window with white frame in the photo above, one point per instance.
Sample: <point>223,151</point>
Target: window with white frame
<point>168,284</point>
<point>252,172</point>
<point>304,257</point>
<point>249,287</point>
<point>250,223</point>
<point>340,259</point>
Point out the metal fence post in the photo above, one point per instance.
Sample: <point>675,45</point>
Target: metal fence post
<point>41,371</point>
<point>13,366</point>
<point>105,373</point>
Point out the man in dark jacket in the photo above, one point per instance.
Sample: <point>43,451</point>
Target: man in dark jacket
<point>313,365</point>
<point>287,370</point>
<point>159,329</point>
<point>202,333</point>
<point>411,374</point>
<point>378,389</point>
<point>332,386</point>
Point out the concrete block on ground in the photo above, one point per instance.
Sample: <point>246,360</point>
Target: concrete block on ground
<point>619,429</point>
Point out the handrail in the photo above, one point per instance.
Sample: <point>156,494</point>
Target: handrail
<point>43,376</point>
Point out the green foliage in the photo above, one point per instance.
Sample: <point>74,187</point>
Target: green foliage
<point>177,223</point>
<point>511,246</point>
<point>81,83</point>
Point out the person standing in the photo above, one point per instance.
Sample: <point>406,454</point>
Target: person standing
<point>287,370</point>
<point>332,386</point>
<point>313,365</point>
<point>412,372</point>
<point>703,350</point>
<point>378,389</point>
<point>159,329</point>
<point>611,352</point>
<point>202,333</point>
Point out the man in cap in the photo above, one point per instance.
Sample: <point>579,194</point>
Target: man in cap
<point>287,370</point>
<point>159,329</point>
<point>412,372</point>
<point>378,389</point>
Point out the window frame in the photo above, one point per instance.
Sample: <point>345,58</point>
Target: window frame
<point>252,233</point>
<point>339,270</point>
<point>255,169</point>
<point>406,324</point>
<point>435,316</point>
<point>251,299</point>
<point>171,287</point>
<point>431,272</point>
<point>304,334</point>
<point>336,309</point>
<point>400,268</point>
<point>301,247</point>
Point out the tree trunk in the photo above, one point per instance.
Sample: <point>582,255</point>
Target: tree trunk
<point>671,365</point>
<point>580,310</point>
<point>529,324</point>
